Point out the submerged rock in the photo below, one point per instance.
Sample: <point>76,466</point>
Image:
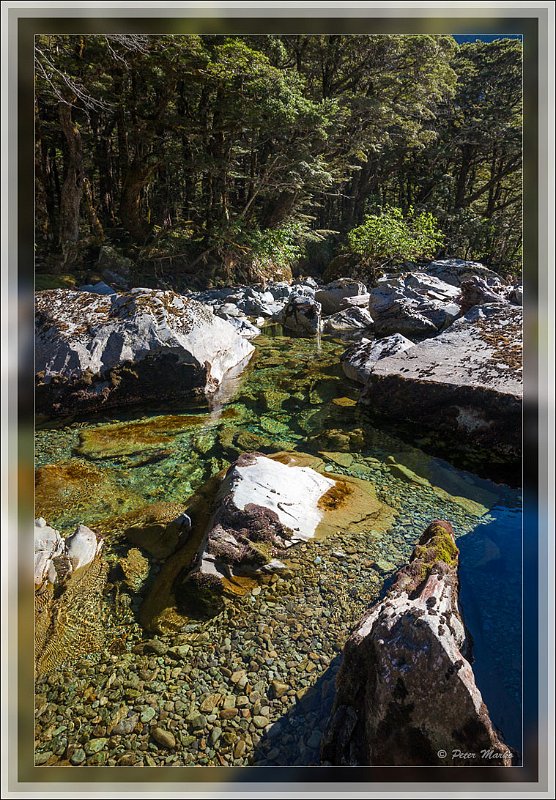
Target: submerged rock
<point>406,693</point>
<point>465,384</point>
<point>94,351</point>
<point>135,568</point>
<point>415,305</point>
<point>359,360</point>
<point>332,297</point>
<point>302,316</point>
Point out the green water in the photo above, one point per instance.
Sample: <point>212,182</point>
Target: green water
<point>293,396</point>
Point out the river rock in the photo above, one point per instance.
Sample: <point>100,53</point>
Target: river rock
<point>116,268</point>
<point>95,351</point>
<point>415,305</point>
<point>347,320</point>
<point>475,291</point>
<point>515,294</point>
<point>262,507</point>
<point>456,270</point>
<point>98,288</point>
<point>70,575</point>
<point>57,558</point>
<point>406,693</point>
<point>302,316</point>
<point>82,547</point>
<point>332,296</point>
<point>243,326</point>
<point>465,384</point>
<point>246,523</point>
<point>359,360</point>
<point>49,545</point>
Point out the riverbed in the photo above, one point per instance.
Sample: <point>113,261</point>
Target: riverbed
<point>213,685</point>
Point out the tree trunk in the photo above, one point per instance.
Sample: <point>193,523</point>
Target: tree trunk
<point>94,222</point>
<point>136,178</point>
<point>72,188</point>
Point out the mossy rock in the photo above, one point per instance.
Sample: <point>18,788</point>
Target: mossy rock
<point>273,400</point>
<point>68,491</point>
<point>150,528</point>
<point>324,391</point>
<point>161,610</point>
<point>130,438</point>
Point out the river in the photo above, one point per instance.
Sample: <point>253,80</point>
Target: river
<point>293,396</point>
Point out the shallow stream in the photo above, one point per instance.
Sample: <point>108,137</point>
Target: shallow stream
<point>288,632</point>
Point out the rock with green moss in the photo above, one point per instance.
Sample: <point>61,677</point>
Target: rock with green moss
<point>406,690</point>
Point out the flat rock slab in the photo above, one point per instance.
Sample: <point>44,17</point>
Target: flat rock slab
<point>465,382</point>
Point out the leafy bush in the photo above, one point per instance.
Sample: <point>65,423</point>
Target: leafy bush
<point>390,237</point>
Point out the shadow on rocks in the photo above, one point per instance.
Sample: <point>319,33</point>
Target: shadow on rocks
<point>294,739</point>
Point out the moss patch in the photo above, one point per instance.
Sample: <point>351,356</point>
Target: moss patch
<point>73,491</point>
<point>128,438</point>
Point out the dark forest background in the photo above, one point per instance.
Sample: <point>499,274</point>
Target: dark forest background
<point>211,159</point>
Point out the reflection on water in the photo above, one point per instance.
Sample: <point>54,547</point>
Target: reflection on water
<point>294,396</point>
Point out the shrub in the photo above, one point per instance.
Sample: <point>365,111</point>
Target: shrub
<point>389,236</point>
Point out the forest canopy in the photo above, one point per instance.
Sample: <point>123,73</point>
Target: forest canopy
<point>236,158</point>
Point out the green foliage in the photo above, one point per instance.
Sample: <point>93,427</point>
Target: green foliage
<point>389,236</point>
<point>214,149</point>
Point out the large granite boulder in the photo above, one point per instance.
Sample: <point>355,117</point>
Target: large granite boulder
<point>406,693</point>
<point>415,305</point>
<point>348,320</point>
<point>359,360</point>
<point>243,525</point>
<point>332,296</point>
<point>70,575</point>
<point>94,351</point>
<point>465,385</point>
<point>301,316</point>
<point>456,270</point>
